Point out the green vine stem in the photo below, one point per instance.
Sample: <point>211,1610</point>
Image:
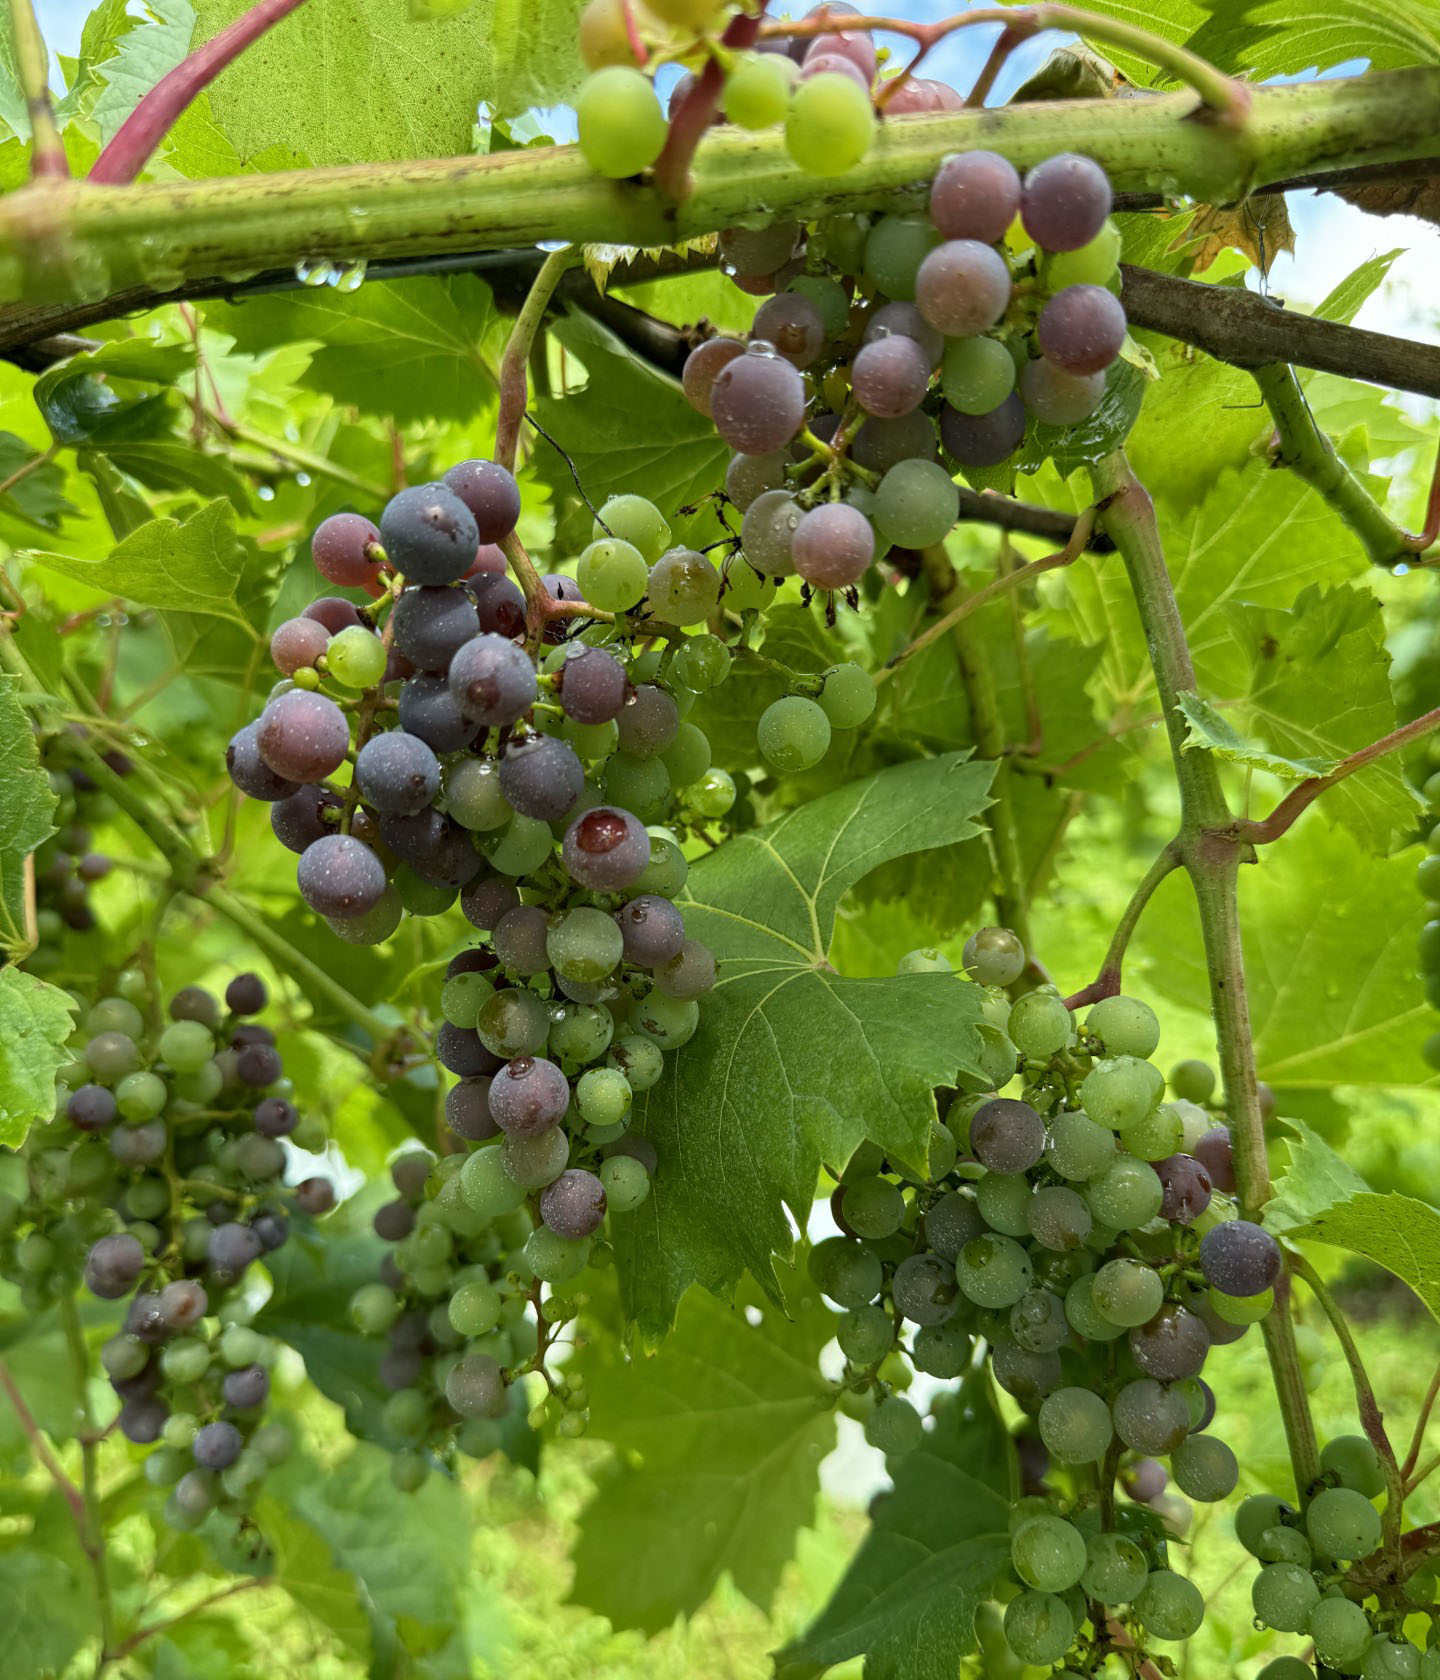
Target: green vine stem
<point>47,156</point>
<point>245,223</point>
<point>514,389</point>
<point>1211,854</point>
<point>1304,448</point>
<point>1107,982</point>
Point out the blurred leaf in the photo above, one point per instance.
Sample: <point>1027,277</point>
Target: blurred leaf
<point>36,1019</point>
<point>27,810</point>
<point>47,1608</point>
<point>37,496</point>
<point>305,1568</point>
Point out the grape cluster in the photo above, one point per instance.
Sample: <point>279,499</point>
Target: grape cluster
<point>824,88</point>
<point>68,865</point>
<point>157,1183</point>
<point>888,340</point>
<point>1084,1230</point>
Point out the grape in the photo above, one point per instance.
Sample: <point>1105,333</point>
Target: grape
<point>1341,1631</point>
<point>1081,329</point>
<point>112,1266</point>
<point>298,820</point>
<point>977,374</point>
<point>534,1162</point>
<point>247,1388</point>
<point>793,733</point>
<point>259,1064</point>
<point>916,504</point>
<point>1059,1218</point>
<point>338,550</point>
<point>1004,1203</point>
<point>492,681</point>
<point>1115,1568</point>
<point>1125,1026</point>
<point>620,123</point>
<point>757,90</point>
<point>905,320</point>
<point>829,125</point>
<point>758,251</point>
<point>1283,1595</point>
<point>833,546</point>
<point>749,476</point>
<point>702,367</point>
<point>983,440</point>
<point>1343,1523</point>
<point>1149,1417</point>
<point>1239,1258</point>
<point>890,376</point>
<point>1038,1322</point>
<point>845,1271</point>
<point>1172,1345</point>
<point>687,758</point>
<point>950,1224</point>
<point>612,574</point>
<point>246,995</point>
<point>1204,1468</point>
<point>528,1096</point>
<point>592,685</point>
<point>626,1183</point>
<point>396,772</point>
<point>1128,1292</point>
<point>924,1289</point>
<point>1255,1515</point>
<point>758,401</point>
<point>882,444</point>
<point>340,876</point>
<point>920,94</point>
<point>499,605</point>
<point>963,287</point>
<point>298,642</point>
<point>894,1427</point>
<point>475,1387</point>
<point>847,697</point>
<point>1186,1187</point>
<point>584,944</point>
<point>1075,1426</point>
<point>428,710</point>
<point>333,612</point>
<point>1128,1194</point>
<point>1039,1025</point>
<point>648,721</point>
<point>1064,202</point>
<point>653,930</point>
<point>1077,1148</point>
<point>429,535</point>
<point>792,323</point>
<point>300,736</point>
<point>1193,1081</point>
<point>894,250</point>
<point>993,1271</point>
<point>1039,1627</point>
<point>1212,1150</point>
<point>432,625</point>
<point>865,1335</point>
<point>768,531</point>
<point>467,1110</point>
<point>1006,1135</point>
<point>574,1205</point>
<point>491,494</point>
<point>872,1207</point>
<point>1057,398</point>
<point>1094,263</point>
<point>90,1108</point>
<point>975,195</point>
<point>541,777</point>
<point>1169,1606</point>
<point>684,588</point>
<point>249,771</point>
<point>356,658</point>
<point>1048,1553</point>
<point>110,1056</point>
<point>1355,1463</point>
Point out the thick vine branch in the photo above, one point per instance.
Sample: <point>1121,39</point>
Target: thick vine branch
<point>212,228</point>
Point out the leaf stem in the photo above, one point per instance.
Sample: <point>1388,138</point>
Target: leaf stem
<point>297,456</point>
<point>1107,982</point>
<point>514,387</point>
<point>47,155</point>
<point>138,1638</point>
<point>73,1497</point>
<point>1417,1440</point>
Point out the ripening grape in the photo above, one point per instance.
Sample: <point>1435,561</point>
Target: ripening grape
<point>890,376</point>
<point>767,532</point>
<point>984,440</point>
<point>1064,202</point>
<point>963,287</point>
<point>830,124</point>
<point>1058,398</point>
<point>833,546</point>
<point>1081,329</point>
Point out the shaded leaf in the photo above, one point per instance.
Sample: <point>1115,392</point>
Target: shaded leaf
<point>27,810</point>
<point>36,1019</point>
<point>305,1568</point>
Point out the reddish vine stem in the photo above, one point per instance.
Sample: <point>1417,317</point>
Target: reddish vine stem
<point>1107,982</point>
<point>73,1497</point>
<point>693,115</point>
<point>1417,1440</point>
<point>155,115</point>
<point>138,1638</point>
<point>1262,831</point>
<point>1010,38</point>
<point>514,381</point>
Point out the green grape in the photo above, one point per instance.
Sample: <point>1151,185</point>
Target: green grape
<point>1075,1425</point>
<point>684,588</point>
<point>626,1182</point>
<point>1118,1092</point>
<point>1115,1568</point>
<point>1125,1026</point>
<point>1128,1292</point>
<point>186,1046</point>
<point>534,1162</point>
<point>850,1274</point>
<point>554,1258</point>
<point>474,1308</point>
<point>687,758</point>
<point>635,521</point>
<point>916,504</point>
<point>1242,1309</point>
<point>419,896</point>
<point>998,1056</point>
<point>1204,1468</point>
<point>585,945</point>
<point>1354,1463</point>
<point>408,1471</point>
<point>356,657</point>
<point>667,869</point>
<point>513,1023</point>
<point>520,849</point>
<point>828,296</point>
<point>166,1465</point>
<point>185,1360</point>
<point>865,1335</point>
<point>374,1308</point>
<point>671,1022</point>
<point>713,795</point>
<point>638,1058</point>
<point>702,663</point>
<point>1341,1631</point>
<point>1169,1606</point>
<point>793,733</point>
<point>580,1033</point>
<point>115,1014</point>
<point>1077,1148</point>
<point>593,742</point>
<point>1343,1524</point>
<point>994,956</point>
<point>1086,1319</point>
<point>622,131</point>
<point>977,374</point>
<point>406,1414</point>
<point>240,1345</point>
<point>1286,1668</point>
<point>1193,1081</point>
<point>463,996</point>
<point>202,1086</point>
<point>872,1207</point>
<point>612,574</point>
<point>473,796</point>
<point>941,1350</point>
<point>894,1426</point>
<point>1092,264</point>
<point>1283,1595</point>
<point>1391,1659</point>
<point>1255,1514</point>
<point>1048,1553</point>
<point>993,1271</point>
<point>847,696</point>
<point>641,785</point>
<point>1157,1134</point>
<point>485,1185</point>
<point>830,125</point>
<point>141,1096</point>
<point>603,1096</point>
<point>1126,1195</point>
<point>1004,1203</point>
<point>894,249</point>
<point>926,960</point>
<point>757,90</point>
<point>1039,1026</point>
<point>1284,1545</point>
<point>1039,1627</point>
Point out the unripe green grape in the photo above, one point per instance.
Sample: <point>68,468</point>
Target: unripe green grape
<point>622,131</point>
<point>374,1308</point>
<point>202,1086</point>
<point>1118,1092</point>
<point>1077,1147</point>
<point>872,1207</point>
<point>1204,1468</point>
<point>1125,1196</point>
<point>641,785</point>
<point>1156,1135</point>
<point>793,732</point>
<point>115,1014</point>
<point>895,246</point>
<point>486,1186</point>
<point>941,1350</point>
<point>406,1414</point>
<point>703,662</point>
<point>1341,1632</point>
<point>847,696</point>
<point>585,945</point>
<point>636,521</point>
<point>553,1258</point>
<point>638,1058</point>
<point>1039,1627</point>
<point>1115,1569</point>
<point>976,374</point>
<point>894,1427</point>
<point>926,960</point>
<point>830,124</point>
<point>1283,1595</point>
<point>998,1058</point>
<point>1193,1081</point>
<point>1128,1292</point>
<point>994,956</point>
<point>1284,1545</point>
<point>185,1360</point>
<point>473,796</point>
<point>993,1271</point>
<point>1242,1309</point>
<point>845,1271</point>
<point>166,1465</point>
<point>513,1023</point>
<point>240,1345</point>
<point>1092,264</point>
<point>1048,1553</point>
<point>713,795</point>
<point>612,574</point>
<point>1390,1659</point>
<point>670,1022</point>
<point>1004,1203</point>
<point>1125,1026</point>
<point>746,590</point>
<point>684,588</point>
<point>463,996</point>
<point>1355,1464</point>
<point>757,90</point>
<point>1255,1514</point>
<point>667,870</point>
<point>1086,1319</point>
<point>419,896</point>
<point>186,1046</point>
<point>580,1033</point>
<point>603,1096</point>
<point>356,657</point>
<point>687,758</point>
<point>1169,1606</point>
<point>523,845</point>
<point>916,505</point>
<point>534,1162</point>
<point>1343,1524</point>
<point>865,1334</point>
<point>1075,1426</point>
<point>1039,1026</point>
<point>626,1182</point>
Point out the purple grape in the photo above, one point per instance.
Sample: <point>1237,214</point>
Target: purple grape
<point>528,1096</point>
<point>983,440</point>
<point>460,1050</point>
<point>499,605</point>
<point>890,376</point>
<point>393,1221</point>
<point>259,1065</point>
<point>963,287</point>
<point>758,402</point>
<point>298,821</point>
<point>541,777</point>
<point>689,974</point>
<point>653,930</point>
<point>1064,202</point>
<point>792,323</point>
<point>574,1205</point>
<point>429,535</point>
<point>315,1196</point>
<point>217,1445</point>
<point>138,1146</point>
<point>1081,329</point>
<point>400,1368</point>
<point>834,546</point>
<point>467,1111</point>
<point>428,710</point>
<point>250,773</point>
<point>606,849</point>
<point>338,549</point>
<point>703,366</point>
<point>91,1108</point>
<point>246,1388</point>
<point>432,625</point>
<point>1173,1345</point>
<point>1187,1188</point>
<point>275,1118</point>
<point>648,722</point>
<point>1239,1258</point>
<point>1006,1135</point>
<point>340,876</point>
<point>834,64</point>
<point>487,899</point>
<point>452,860</point>
<point>751,252</point>
<point>906,320</point>
<point>298,642</point>
<point>491,494</point>
<point>1057,398</point>
<point>1214,1153</point>
<point>142,1420</point>
<point>246,994</point>
<point>302,736</point>
<point>975,195</point>
<point>920,94</point>
<point>335,613</point>
<point>592,684</point>
<point>231,1248</point>
<point>473,960</point>
<point>112,1266</point>
<point>493,681</point>
<point>397,773</point>
<point>519,939</point>
<point>882,444</point>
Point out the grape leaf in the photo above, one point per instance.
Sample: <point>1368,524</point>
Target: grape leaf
<point>37,496</point>
<point>907,1603</point>
<point>305,1569</point>
<point>1345,300</point>
<point>143,54</point>
<point>728,1423</point>
<point>27,809</point>
<point>1321,1199</point>
<point>47,1608</point>
<point>628,429</point>
<point>1263,38</point>
<point>189,566</point>
<point>793,1064</point>
<point>360,81</point>
<point>36,1018</point>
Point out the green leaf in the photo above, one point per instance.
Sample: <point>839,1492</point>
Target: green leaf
<point>36,1018</point>
<point>410,349</point>
<point>1209,732</point>
<point>190,566</point>
<point>629,429</point>
<point>143,55</point>
<point>37,496</point>
<point>1343,303</point>
<point>793,1064</point>
<point>47,1609</point>
<point>907,1603</point>
<point>305,1568</point>
<point>728,1423</point>
<point>1270,37</point>
<point>27,810</point>
<point>80,402</point>
<point>359,81</point>
<point>1321,1199</point>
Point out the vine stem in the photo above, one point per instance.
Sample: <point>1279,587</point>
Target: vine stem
<point>1372,1419</point>
<point>1417,1440</point>
<point>697,109</point>
<point>47,155</point>
<point>1211,854</point>
<point>73,1497</point>
<point>1107,982</point>
<point>140,1635</point>
<point>1283,817</point>
<point>92,1528</point>
<point>514,385</point>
